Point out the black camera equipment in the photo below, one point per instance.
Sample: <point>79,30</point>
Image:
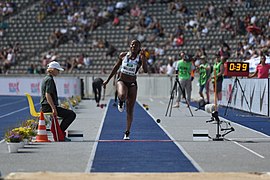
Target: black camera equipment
<point>201,104</point>
<point>228,129</point>
<point>236,69</point>
<point>236,81</point>
<point>174,91</point>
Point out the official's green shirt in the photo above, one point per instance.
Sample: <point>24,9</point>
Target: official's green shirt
<point>203,74</point>
<point>184,69</point>
<point>48,86</point>
<point>217,68</point>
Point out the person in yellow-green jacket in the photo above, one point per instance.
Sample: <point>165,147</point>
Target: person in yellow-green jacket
<point>204,73</point>
<point>183,70</point>
<point>219,68</point>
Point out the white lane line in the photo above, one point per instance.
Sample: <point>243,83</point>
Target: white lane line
<point>15,102</point>
<point>195,164</point>
<point>253,152</point>
<point>161,102</point>
<point>14,112</point>
<point>92,156</point>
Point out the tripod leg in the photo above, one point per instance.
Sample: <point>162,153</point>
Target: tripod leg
<point>230,97</point>
<point>243,93</point>
<point>181,89</point>
<point>171,99</point>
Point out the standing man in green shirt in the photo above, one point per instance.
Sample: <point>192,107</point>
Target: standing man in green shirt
<point>183,70</point>
<point>49,97</point>
<point>218,69</point>
<point>204,72</point>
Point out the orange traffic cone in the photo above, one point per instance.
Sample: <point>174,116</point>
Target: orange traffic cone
<point>42,133</point>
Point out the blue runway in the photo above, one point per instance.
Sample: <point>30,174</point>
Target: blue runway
<point>149,150</point>
<point>253,121</point>
<point>14,110</point>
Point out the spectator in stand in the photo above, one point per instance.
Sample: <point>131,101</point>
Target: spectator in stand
<point>266,46</point>
<point>159,50</point>
<point>141,23</point>
<point>3,54</point>
<point>224,50</point>
<point>87,61</point>
<point>7,8</point>
<point>56,38</point>
<point>240,28</point>
<point>111,50</point>
<point>225,24</point>
<point>173,7</point>
<point>94,43</point>
<point>79,61</point>
<point>239,52</point>
<point>178,41</point>
<point>141,37</point>
<point>192,25</point>
<point>262,69</point>
<point>204,30</point>
<point>116,20</point>
<point>178,30</point>
<point>182,12</point>
<point>69,64</point>
<point>129,24</point>
<point>32,69</point>
<point>170,67</point>
<point>135,11</point>
<point>8,60</point>
<point>157,31</point>
<point>148,20</point>
<point>121,7</point>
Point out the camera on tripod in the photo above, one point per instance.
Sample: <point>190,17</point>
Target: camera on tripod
<point>211,108</point>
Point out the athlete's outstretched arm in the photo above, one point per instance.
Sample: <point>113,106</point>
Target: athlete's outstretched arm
<point>115,69</point>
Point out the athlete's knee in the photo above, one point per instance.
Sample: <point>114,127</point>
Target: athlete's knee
<point>121,97</point>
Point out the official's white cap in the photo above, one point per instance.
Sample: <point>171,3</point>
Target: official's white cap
<point>55,65</point>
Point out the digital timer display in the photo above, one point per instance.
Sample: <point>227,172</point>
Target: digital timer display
<point>236,69</point>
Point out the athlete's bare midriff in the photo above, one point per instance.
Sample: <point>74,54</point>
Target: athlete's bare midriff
<point>127,78</point>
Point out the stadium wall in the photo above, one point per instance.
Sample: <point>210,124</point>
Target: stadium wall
<point>246,94</point>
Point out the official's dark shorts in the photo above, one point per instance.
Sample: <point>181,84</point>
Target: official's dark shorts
<point>219,85</point>
<point>201,88</point>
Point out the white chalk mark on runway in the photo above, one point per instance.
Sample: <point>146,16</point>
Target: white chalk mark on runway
<point>253,152</point>
<point>161,102</point>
